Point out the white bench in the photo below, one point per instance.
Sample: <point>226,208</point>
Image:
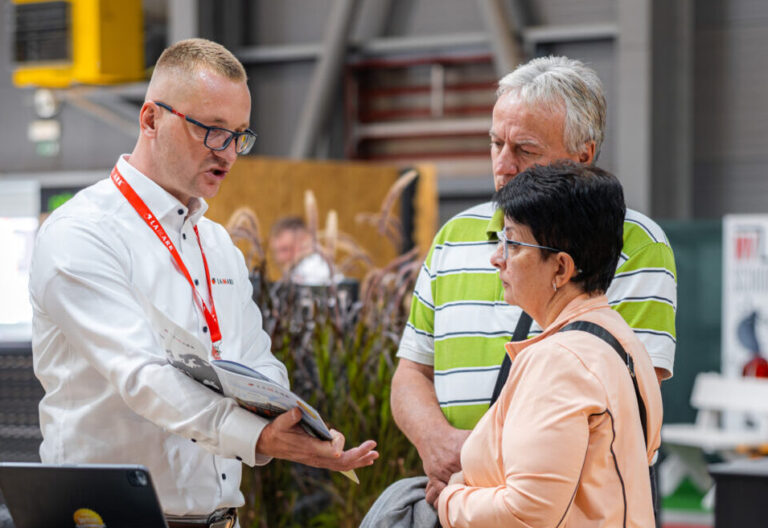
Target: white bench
<point>743,431</point>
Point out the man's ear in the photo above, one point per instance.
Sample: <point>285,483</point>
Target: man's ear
<point>565,269</point>
<point>587,154</point>
<point>148,119</point>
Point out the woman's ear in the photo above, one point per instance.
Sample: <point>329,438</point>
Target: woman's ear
<point>565,269</point>
<point>148,119</point>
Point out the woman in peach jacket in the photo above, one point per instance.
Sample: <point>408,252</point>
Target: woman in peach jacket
<point>563,446</point>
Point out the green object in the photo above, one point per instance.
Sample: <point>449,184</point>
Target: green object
<point>47,149</point>
<point>56,200</point>
<point>686,497</point>
<point>698,247</point>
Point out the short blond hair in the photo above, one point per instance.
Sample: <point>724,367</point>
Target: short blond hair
<point>190,55</point>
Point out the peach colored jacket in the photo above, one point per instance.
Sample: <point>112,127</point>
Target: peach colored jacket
<point>563,445</point>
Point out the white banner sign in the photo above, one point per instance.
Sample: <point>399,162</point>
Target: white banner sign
<point>745,291</point>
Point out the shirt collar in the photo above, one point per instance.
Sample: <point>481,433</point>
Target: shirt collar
<point>162,203</point>
<point>495,224</point>
<point>574,309</point>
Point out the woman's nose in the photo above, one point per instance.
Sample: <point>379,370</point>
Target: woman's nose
<point>497,259</point>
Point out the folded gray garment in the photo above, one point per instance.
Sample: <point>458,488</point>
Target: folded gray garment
<point>402,505</point>
<point>5,517</point>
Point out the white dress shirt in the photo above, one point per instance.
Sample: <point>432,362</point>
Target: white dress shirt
<point>110,395</point>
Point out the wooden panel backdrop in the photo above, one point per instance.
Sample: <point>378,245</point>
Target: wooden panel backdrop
<point>274,188</point>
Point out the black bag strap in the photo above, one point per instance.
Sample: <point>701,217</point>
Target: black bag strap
<point>520,333</point>
<point>605,335</point>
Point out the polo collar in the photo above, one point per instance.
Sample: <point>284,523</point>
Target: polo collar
<point>495,224</point>
<point>573,310</point>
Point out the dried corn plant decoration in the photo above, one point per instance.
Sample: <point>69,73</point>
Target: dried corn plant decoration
<point>331,234</point>
<point>341,355</point>
<point>387,223</point>
<point>310,212</point>
<point>243,226</point>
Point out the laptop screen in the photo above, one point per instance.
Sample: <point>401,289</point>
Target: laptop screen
<point>81,496</point>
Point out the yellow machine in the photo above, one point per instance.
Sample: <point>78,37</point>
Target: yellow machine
<point>58,44</point>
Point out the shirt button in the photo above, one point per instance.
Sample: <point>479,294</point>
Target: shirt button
<point>194,439</point>
<point>184,236</point>
<point>197,282</point>
<point>180,211</point>
<point>223,476</point>
<point>205,329</point>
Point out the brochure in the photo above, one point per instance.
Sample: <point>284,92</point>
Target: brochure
<point>250,389</point>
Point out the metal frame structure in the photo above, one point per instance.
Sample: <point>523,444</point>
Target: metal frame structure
<point>508,38</point>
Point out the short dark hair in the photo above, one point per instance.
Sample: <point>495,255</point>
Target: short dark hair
<point>288,223</point>
<point>575,208</point>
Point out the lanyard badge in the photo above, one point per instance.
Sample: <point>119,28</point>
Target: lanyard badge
<point>154,224</point>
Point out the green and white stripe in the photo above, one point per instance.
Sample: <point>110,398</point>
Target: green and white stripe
<point>644,289</point>
<point>459,321</point>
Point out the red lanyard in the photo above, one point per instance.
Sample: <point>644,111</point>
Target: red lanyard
<point>138,204</point>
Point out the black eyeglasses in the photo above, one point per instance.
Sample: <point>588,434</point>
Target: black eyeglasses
<point>217,138</point>
<point>504,242</point>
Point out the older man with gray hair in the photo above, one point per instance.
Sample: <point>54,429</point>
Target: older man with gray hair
<point>451,352</point>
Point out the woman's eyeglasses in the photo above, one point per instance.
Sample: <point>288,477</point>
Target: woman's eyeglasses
<point>504,242</point>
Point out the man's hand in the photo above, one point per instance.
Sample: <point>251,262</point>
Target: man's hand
<point>418,414</point>
<point>285,439</point>
<point>434,488</point>
<point>441,457</point>
<point>441,461</point>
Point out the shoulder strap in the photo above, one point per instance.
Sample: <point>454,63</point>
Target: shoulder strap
<point>520,333</point>
<point>605,335</point>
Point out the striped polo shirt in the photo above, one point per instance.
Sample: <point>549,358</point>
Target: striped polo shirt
<point>459,321</point>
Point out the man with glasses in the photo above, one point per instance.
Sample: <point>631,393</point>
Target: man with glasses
<point>217,138</point>
<point>549,109</point>
<point>137,243</point>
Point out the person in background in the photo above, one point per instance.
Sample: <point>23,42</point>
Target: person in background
<point>294,252</point>
<point>549,109</point>
<point>138,241</point>
<point>289,239</point>
<point>565,444</point>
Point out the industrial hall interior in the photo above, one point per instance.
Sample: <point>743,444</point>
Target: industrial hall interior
<point>335,263</point>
